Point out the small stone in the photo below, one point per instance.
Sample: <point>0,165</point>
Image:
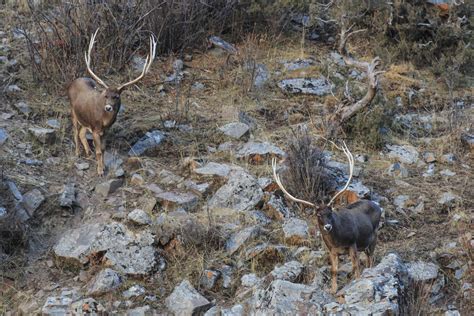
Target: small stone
<point>429,171</point>
<point>137,180</point>
<point>227,276</point>
<point>13,88</point>
<point>448,158</point>
<point>447,173</point>
<point>108,187</point>
<point>197,86</point>
<point>82,165</point>
<point>23,108</point>
<point>148,144</point>
<point>209,279</point>
<point>235,130</point>
<point>105,281</point>
<point>297,64</point>
<point>53,123</point>
<point>219,42</point>
<point>3,136</point>
<point>43,135</point>
<point>185,300</point>
<point>32,200</point>
<point>134,291</point>
<point>3,212</point>
<point>169,178</point>
<point>87,306</point>
<point>448,198</point>
<point>401,201</point>
<point>32,162</point>
<point>139,217</point>
<point>68,195</point>
<point>429,157</point>
<point>7,116</point>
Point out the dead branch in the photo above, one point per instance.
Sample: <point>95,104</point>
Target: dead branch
<point>344,113</point>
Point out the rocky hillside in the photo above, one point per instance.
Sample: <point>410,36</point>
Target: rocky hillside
<point>188,219</point>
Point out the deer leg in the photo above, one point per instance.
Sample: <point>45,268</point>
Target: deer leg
<point>85,144</point>
<point>369,260</point>
<point>333,258</point>
<point>355,261</point>
<point>75,128</point>
<point>98,153</point>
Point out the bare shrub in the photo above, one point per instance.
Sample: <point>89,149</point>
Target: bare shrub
<point>57,37</point>
<point>307,176</point>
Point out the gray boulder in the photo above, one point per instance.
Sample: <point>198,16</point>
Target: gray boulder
<point>296,231</point>
<point>235,130</point>
<point>3,136</point>
<point>240,193</point>
<point>173,200</point>
<point>126,251</point>
<point>32,200</point>
<point>108,187</point>
<point>240,238</point>
<point>139,217</point>
<point>68,195</point>
<point>214,169</point>
<point>105,281</point>
<point>185,300</point>
<point>290,271</point>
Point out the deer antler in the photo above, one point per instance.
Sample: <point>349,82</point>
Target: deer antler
<point>351,169</point>
<point>148,62</point>
<point>87,56</point>
<point>278,181</point>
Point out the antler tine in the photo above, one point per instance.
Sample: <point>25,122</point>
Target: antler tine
<point>148,61</point>
<point>350,158</point>
<point>280,185</point>
<point>87,56</point>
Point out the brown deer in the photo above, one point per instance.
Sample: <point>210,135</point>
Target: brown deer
<point>349,230</point>
<point>95,111</point>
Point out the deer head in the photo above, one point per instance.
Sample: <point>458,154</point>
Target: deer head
<point>323,211</point>
<point>111,95</point>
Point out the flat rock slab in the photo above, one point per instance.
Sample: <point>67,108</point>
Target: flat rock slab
<point>214,169</point>
<point>148,144</point>
<point>240,193</point>
<point>68,195</point>
<point>126,251</point>
<point>316,86</point>
<point>258,151</point>
<point>186,300</point>
<point>235,130</point>
<point>422,271</point>
<point>171,200</point>
<point>139,217</point>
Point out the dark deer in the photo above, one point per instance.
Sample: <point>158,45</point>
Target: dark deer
<point>349,230</point>
<point>95,111</point>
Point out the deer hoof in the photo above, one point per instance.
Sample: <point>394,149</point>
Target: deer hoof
<point>100,172</point>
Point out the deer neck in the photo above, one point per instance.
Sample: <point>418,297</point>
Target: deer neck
<point>107,118</point>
